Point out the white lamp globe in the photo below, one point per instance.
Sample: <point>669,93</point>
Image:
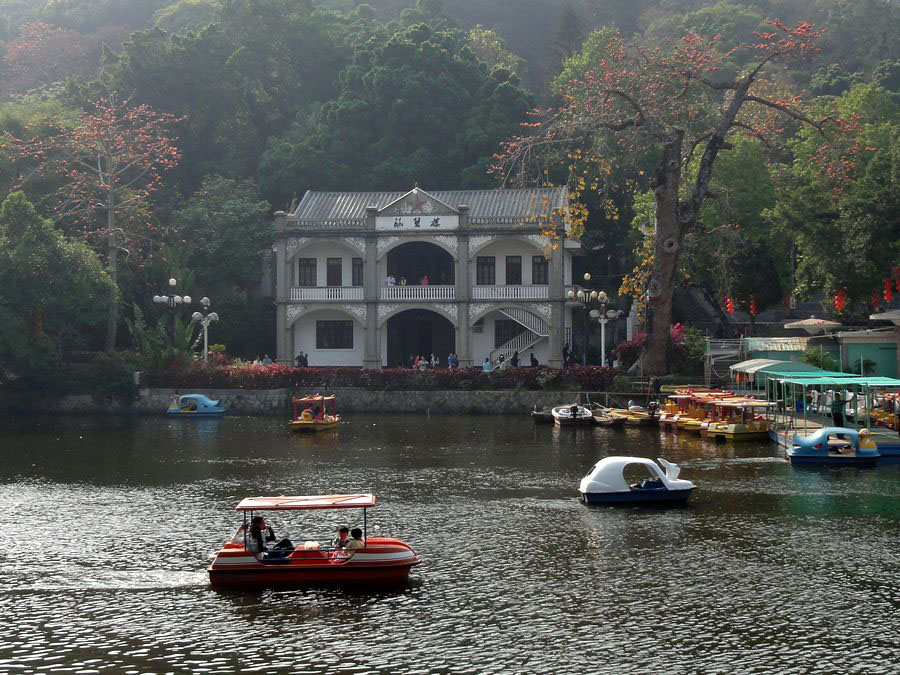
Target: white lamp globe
<point>594,295</point>
<point>172,282</point>
<point>213,316</point>
<point>581,295</point>
<point>571,295</point>
<point>587,276</point>
<point>177,299</point>
<point>196,316</point>
<point>595,313</point>
<point>602,296</point>
<point>187,299</point>
<point>157,299</point>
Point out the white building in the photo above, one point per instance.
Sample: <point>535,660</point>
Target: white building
<point>373,278</point>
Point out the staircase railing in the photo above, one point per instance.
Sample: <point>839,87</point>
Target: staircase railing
<point>525,318</point>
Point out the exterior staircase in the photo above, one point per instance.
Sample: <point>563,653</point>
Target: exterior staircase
<point>536,329</point>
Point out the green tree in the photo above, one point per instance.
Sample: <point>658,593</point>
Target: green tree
<point>48,285</point>
<point>226,234</point>
<point>843,214</point>
<point>415,106</point>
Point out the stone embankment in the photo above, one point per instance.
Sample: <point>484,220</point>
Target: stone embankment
<point>350,400</point>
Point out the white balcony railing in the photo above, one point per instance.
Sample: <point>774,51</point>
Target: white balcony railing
<point>327,293</point>
<point>538,292</point>
<point>418,292</point>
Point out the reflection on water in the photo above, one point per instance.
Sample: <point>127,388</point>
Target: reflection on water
<point>109,524</point>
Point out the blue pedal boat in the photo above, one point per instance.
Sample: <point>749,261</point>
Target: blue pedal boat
<point>835,446</point>
<point>606,483</point>
<point>194,405</point>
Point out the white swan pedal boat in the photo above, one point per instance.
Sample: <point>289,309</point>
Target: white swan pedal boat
<point>606,483</point>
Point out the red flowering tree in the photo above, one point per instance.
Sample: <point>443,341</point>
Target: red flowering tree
<point>43,54</point>
<point>108,163</point>
<point>679,104</point>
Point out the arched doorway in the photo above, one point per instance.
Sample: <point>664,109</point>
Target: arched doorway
<point>418,332</point>
<point>418,259</point>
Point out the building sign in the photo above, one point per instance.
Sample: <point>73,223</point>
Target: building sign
<point>417,222</point>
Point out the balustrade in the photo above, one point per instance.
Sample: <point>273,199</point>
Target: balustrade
<point>418,292</point>
<point>536,292</point>
<point>327,293</point>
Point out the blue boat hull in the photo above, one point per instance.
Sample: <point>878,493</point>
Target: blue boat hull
<point>637,497</point>
<point>801,459</point>
<point>213,412</point>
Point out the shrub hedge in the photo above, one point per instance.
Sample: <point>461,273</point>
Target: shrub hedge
<point>584,378</point>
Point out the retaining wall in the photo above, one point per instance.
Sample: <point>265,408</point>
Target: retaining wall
<point>350,400</point>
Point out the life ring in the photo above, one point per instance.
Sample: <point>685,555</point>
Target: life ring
<point>670,245</point>
<point>654,288</point>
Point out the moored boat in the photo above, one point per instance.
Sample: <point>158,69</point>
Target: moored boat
<point>542,416</point>
<point>315,413</point>
<point>572,414</point>
<point>381,560</point>
<point>604,419</point>
<point>739,420</point>
<point>635,418</point>
<point>834,446</point>
<point>194,405</point>
<point>606,483</point>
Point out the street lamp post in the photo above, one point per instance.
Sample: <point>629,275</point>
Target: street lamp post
<point>172,301</point>
<point>205,321</point>
<point>586,297</point>
<point>604,317</point>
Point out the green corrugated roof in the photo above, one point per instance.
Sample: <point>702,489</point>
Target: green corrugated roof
<point>883,382</point>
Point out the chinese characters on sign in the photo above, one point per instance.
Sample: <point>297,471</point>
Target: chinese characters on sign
<point>426,222</point>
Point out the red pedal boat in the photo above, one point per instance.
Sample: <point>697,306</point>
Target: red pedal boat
<point>381,561</point>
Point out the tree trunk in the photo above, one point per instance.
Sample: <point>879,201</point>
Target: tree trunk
<point>112,323</point>
<point>661,287</point>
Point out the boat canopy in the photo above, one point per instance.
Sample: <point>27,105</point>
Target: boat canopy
<point>844,380</point>
<point>744,404</point>
<point>200,398</point>
<point>752,365</point>
<point>315,398</point>
<point>301,503</point>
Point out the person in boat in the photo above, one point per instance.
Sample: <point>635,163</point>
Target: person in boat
<point>574,411</point>
<point>837,409</point>
<point>342,539</point>
<point>356,540</point>
<point>260,532</point>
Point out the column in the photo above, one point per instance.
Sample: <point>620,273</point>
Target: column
<point>371,282</point>
<point>557,292</point>
<point>463,290</point>
<point>282,292</point>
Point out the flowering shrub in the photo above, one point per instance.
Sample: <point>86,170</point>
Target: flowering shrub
<point>276,376</point>
<point>628,351</point>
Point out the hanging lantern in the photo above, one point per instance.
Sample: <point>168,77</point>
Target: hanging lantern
<point>876,300</point>
<point>729,306</point>
<point>888,290</point>
<point>753,307</point>
<point>840,300</point>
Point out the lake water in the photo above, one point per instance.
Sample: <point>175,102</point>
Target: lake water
<point>109,523</point>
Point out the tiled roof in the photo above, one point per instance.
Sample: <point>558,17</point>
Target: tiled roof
<point>502,205</point>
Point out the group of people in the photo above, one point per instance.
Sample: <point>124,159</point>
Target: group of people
<point>420,362</point>
<point>512,362</point>
<point>266,360</point>
<point>391,280</point>
<point>260,533</point>
<point>301,360</point>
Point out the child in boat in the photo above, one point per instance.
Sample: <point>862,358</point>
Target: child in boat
<point>356,541</point>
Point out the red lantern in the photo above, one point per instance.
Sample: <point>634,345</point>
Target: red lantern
<point>888,291</point>
<point>840,300</point>
<point>729,306</point>
<point>876,300</point>
<point>753,307</point>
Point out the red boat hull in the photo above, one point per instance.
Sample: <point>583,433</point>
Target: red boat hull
<point>381,562</point>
